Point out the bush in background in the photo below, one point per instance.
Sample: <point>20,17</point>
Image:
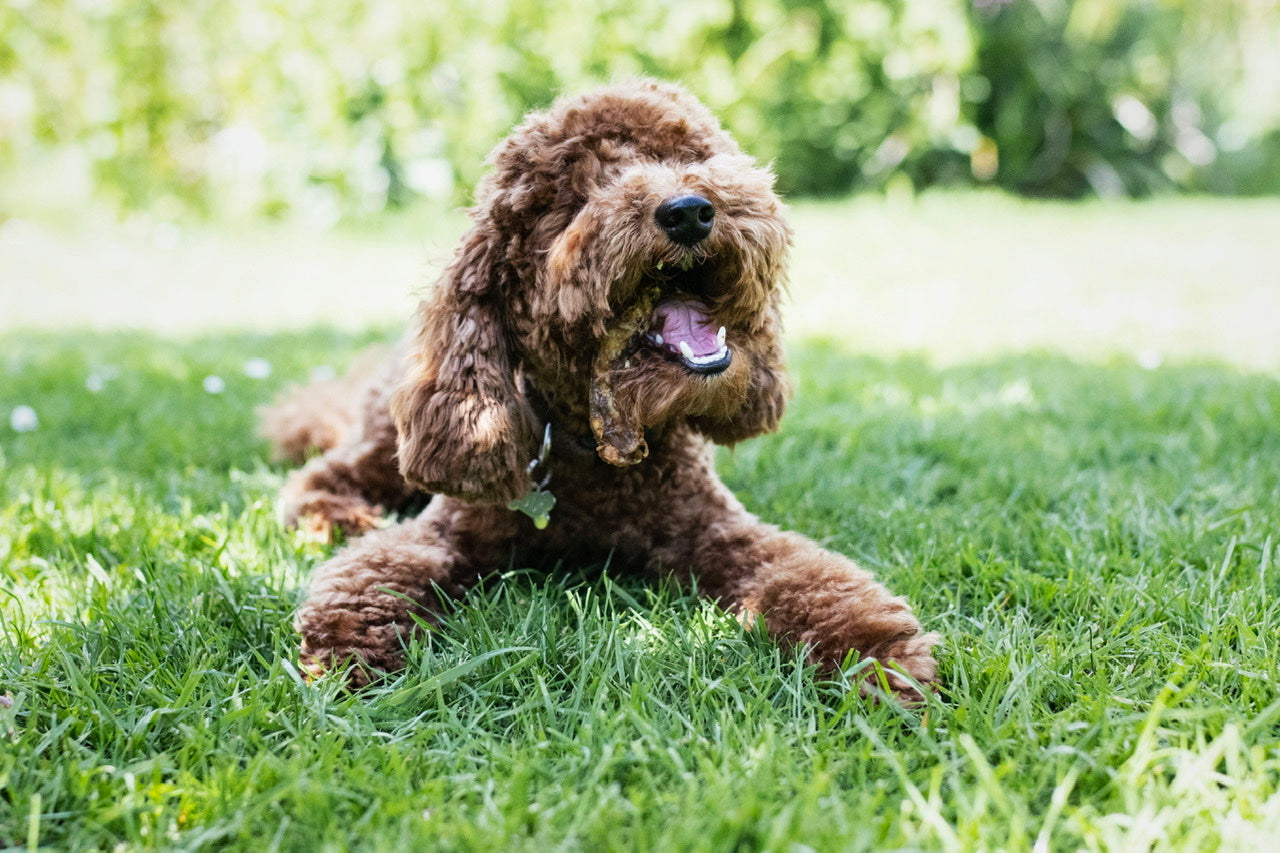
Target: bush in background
<point>1129,97</point>
<point>232,107</point>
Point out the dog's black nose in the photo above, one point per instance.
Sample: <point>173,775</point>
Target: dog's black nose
<point>686,219</point>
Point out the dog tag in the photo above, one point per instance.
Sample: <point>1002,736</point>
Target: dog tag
<point>536,504</point>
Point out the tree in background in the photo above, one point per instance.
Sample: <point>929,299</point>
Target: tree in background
<point>252,107</point>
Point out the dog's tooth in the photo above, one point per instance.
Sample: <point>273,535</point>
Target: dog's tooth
<point>657,339</point>
<point>686,350</point>
<point>660,263</point>
<point>720,335</point>
<point>686,263</point>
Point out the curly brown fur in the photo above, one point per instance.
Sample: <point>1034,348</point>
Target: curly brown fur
<point>349,486</point>
<point>588,209</point>
<point>310,419</point>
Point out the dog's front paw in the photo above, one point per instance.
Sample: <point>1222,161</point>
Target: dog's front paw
<point>913,656</point>
<point>323,515</point>
<point>343,631</point>
<point>359,667</point>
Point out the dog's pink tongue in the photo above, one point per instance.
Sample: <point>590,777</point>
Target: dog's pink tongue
<point>685,320</point>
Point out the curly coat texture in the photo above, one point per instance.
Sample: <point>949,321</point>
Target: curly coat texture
<point>568,241</point>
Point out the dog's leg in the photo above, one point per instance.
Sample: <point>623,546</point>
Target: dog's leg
<point>363,602</point>
<point>305,419</point>
<point>350,486</point>
<point>813,597</point>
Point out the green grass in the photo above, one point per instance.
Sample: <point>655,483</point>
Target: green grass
<point>1095,540</point>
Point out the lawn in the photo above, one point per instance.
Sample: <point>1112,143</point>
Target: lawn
<point>1052,427</point>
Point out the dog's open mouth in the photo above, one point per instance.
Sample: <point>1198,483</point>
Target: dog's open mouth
<point>682,328</point>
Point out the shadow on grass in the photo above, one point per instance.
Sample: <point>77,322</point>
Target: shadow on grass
<point>164,412</point>
<point>149,408</point>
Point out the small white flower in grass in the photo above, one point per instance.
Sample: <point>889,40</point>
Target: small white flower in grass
<point>1150,359</point>
<point>322,373</point>
<point>214,384</point>
<point>24,419</point>
<point>257,368</point>
<point>99,376</point>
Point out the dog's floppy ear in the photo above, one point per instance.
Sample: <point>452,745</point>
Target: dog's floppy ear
<point>464,427</point>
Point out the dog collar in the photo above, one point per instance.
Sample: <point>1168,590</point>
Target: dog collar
<point>538,502</point>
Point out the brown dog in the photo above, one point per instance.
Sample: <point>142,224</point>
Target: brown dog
<point>611,313</point>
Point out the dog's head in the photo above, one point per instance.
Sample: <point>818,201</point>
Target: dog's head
<point>626,263</point>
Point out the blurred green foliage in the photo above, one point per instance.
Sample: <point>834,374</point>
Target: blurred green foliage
<point>325,108</point>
